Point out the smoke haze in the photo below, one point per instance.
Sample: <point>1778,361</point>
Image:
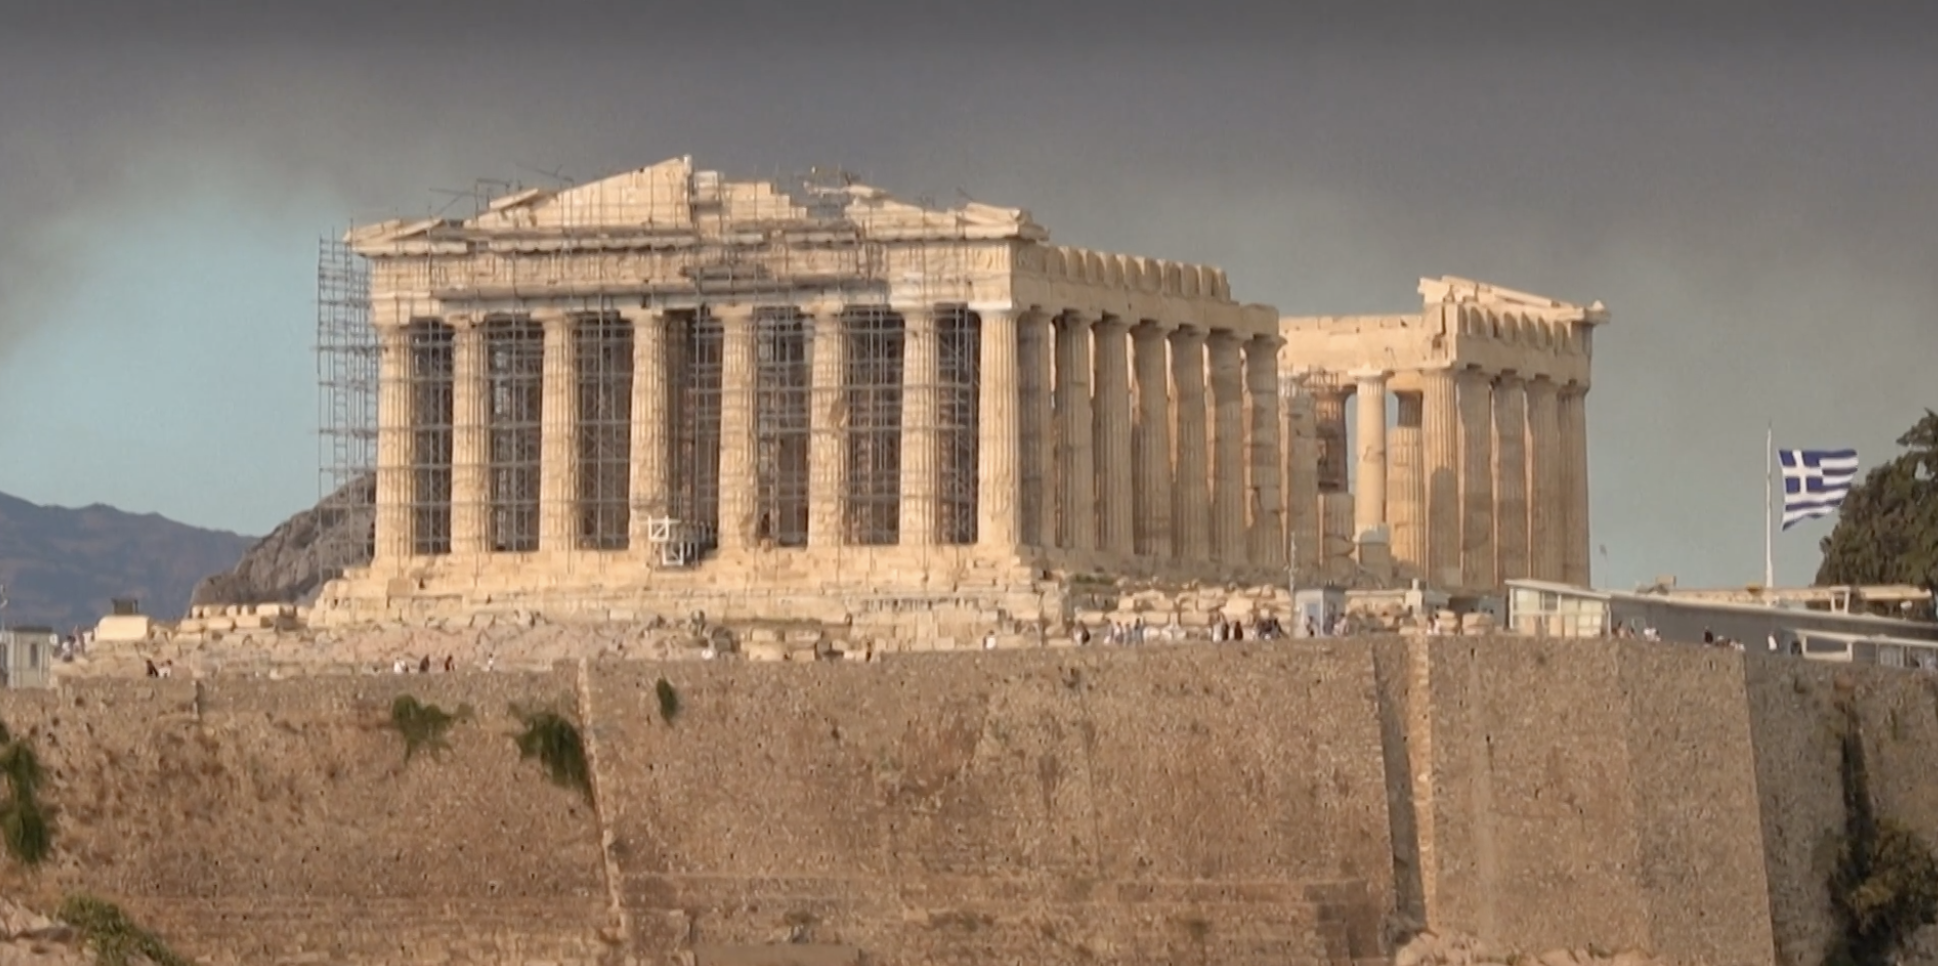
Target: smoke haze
<point>1746,186</point>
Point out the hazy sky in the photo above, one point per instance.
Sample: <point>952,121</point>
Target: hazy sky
<point>1748,187</point>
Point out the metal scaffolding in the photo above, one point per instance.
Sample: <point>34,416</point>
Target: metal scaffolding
<point>346,368</point>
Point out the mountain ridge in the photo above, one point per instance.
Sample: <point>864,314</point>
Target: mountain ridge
<point>62,566</point>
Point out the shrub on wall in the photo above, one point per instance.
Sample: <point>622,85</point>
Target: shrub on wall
<point>25,824</point>
<point>1884,885</point>
<point>113,937</point>
<point>423,725</point>
<point>554,740</point>
<point>669,700</point>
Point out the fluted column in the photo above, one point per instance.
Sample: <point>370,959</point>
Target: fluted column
<point>739,394</point>
<point>1076,473</point>
<point>1576,561</point>
<point>1405,488</point>
<point>1477,480</point>
<point>648,484</point>
<point>394,520</point>
<point>470,440</point>
<point>1510,478</point>
<point>1547,539</point>
<point>1111,432</point>
<point>1191,496</point>
<point>1264,500</point>
<point>1151,442</point>
<point>920,384</point>
<point>827,431</point>
<point>1038,430</point>
<point>558,467</point>
<point>1228,543</point>
<point>1440,448</point>
<point>1303,514</point>
<point>999,448</point>
<point>1369,491</point>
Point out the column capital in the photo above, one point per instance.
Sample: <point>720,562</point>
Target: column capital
<point>1189,335</point>
<point>456,321</point>
<point>635,313</point>
<point>1371,377</point>
<point>1075,319</point>
<point>554,318</point>
<point>1150,328</point>
<point>1110,325</point>
<point>1510,377</point>
<point>734,312</point>
<point>1270,341</point>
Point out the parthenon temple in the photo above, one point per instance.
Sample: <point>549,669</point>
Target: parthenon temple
<point>667,384</point>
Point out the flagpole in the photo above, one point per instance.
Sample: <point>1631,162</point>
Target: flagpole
<point>1769,510</point>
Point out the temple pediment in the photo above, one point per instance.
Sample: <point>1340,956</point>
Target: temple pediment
<point>1449,289</point>
<point>674,197</point>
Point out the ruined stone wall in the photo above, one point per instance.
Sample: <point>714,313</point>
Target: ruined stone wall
<point>1235,803</point>
<point>1052,806</point>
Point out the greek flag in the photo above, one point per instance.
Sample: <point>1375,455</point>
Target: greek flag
<point>1815,482</point>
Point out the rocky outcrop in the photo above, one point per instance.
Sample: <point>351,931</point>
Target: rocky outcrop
<point>292,562</point>
<point>28,938</point>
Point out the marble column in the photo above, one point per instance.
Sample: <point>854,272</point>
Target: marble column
<point>1406,489</point>
<point>999,444</point>
<point>1476,392</point>
<point>920,386</point>
<point>1076,473</point>
<point>1440,450</point>
<point>1264,498</point>
<point>739,397</point>
<point>1228,543</point>
<point>1576,560</point>
<point>1191,495</point>
<point>395,523</point>
<point>470,440</point>
<point>1111,433</point>
<point>1303,514</point>
<point>1151,442</point>
<point>1369,490</point>
<point>1510,478</point>
<point>1035,361</point>
<point>558,466</point>
<point>649,482</point>
<point>1547,538</point>
<point>827,430</point>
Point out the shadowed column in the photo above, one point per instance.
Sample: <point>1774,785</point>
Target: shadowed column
<point>1191,496</point>
<point>827,429</point>
<point>1151,443</point>
<point>1405,488</point>
<point>649,483</point>
<point>1228,544</point>
<point>1510,478</point>
<point>920,376</point>
<point>739,367</point>
<point>1575,563</point>
<point>558,467</point>
<point>1111,430</point>
<point>1440,447</point>
<point>1038,475</point>
<point>1302,479</point>
<point>1265,501</point>
<point>999,443</point>
<point>1477,480</point>
<point>1547,540</point>
<point>1076,473</point>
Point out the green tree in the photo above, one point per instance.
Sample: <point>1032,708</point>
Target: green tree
<point>1887,529</point>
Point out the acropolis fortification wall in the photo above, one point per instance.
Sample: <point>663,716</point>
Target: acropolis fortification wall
<point>1289,802</point>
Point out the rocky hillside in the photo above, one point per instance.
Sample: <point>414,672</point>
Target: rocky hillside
<point>290,564</point>
<point>61,566</point>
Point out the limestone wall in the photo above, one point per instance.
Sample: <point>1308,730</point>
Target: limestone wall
<point>1233,803</point>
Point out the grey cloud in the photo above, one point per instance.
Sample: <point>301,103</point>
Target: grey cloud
<point>1744,184</point>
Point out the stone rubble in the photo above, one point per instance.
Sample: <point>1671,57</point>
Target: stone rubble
<point>1434,949</point>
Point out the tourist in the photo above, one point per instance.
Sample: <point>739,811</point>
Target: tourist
<point>448,664</point>
<point>168,669</point>
<point>153,671</point>
<point>424,666</point>
<point>989,641</point>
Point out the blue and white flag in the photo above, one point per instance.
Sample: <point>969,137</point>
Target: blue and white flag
<point>1815,482</point>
